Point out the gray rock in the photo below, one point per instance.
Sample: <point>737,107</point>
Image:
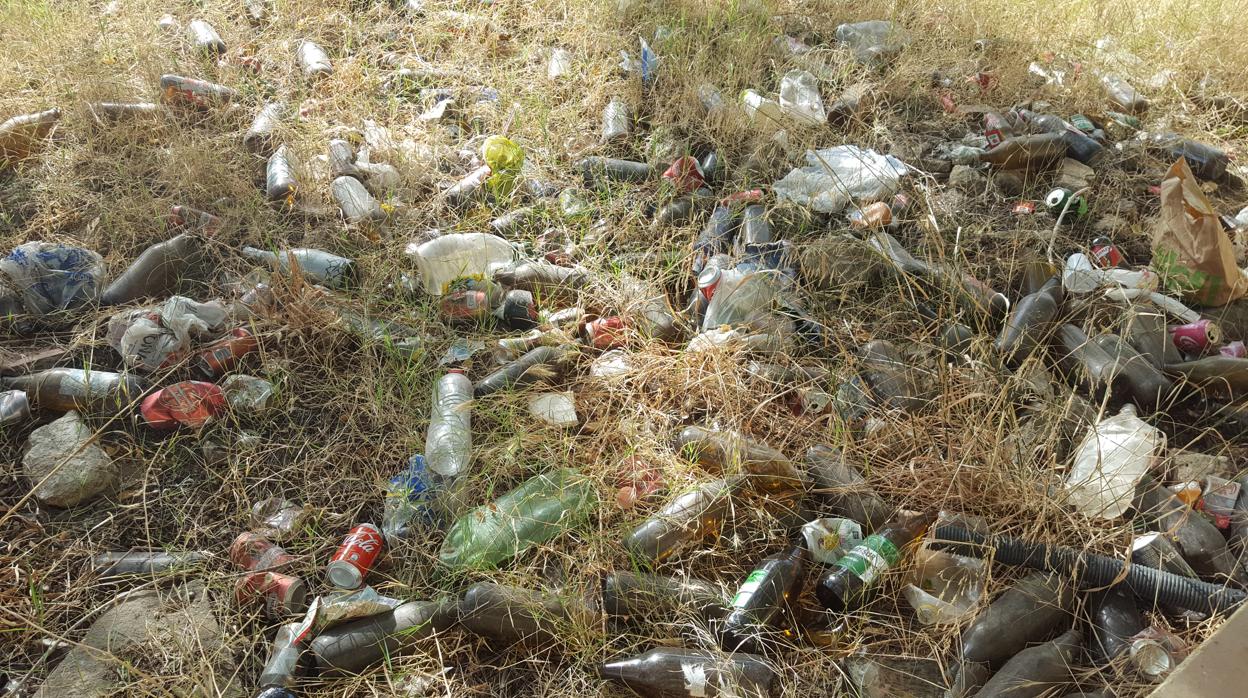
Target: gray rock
<point>174,636</point>
<point>968,180</point>
<point>87,471</point>
<point>1187,466</point>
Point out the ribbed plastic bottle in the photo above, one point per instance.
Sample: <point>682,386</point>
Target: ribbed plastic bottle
<point>448,443</point>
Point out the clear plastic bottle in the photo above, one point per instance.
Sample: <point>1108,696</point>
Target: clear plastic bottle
<point>313,60</point>
<point>448,443</point>
<point>457,255</point>
<point>317,265</point>
<point>205,38</point>
<point>742,301</point>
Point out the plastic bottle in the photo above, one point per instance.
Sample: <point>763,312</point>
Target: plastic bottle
<point>542,277</point>
<point>689,518</point>
<point>356,204</point>
<point>754,227</point>
<point>598,170</point>
<point>1114,620</point>
<point>448,443</point>
<point>193,220</point>
<point>1028,611</point>
<point>845,587</point>
<point>313,60</point>
<point>447,258</point>
<point>259,136</point>
<point>523,371</point>
<point>283,665</point>
<point>666,672</point>
<point>319,266</point>
<point>23,135</point>
<point>746,302</point>
<point>715,238</point>
<point>762,599</point>
<point>659,596</point>
<point>205,39</point>
<point>510,614</point>
<point>538,510</point>
<point>177,90</point>
<point>1028,323</point>
<point>91,392</point>
<point>352,647</point>
<point>1123,95</point>
<point>156,271</point>
<point>1116,452</point>
<point>1037,670</point>
<point>844,489</point>
<point>409,496</point>
<point>143,563</point>
<point>616,121</point>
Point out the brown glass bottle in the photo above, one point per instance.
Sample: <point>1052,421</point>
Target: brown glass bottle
<point>634,594</point>
<point>845,587</point>
<point>769,469</point>
<point>513,615</point>
<point>1114,620</point>
<point>884,369</point>
<point>1029,322</point>
<point>1079,357</point>
<point>844,488</point>
<point>350,648</point>
<point>156,271</point>
<point>1149,388</point>
<point>690,517</point>
<point>1036,670</point>
<point>65,389</point>
<point>1200,542</point>
<point>23,135</point>
<point>1025,613</point>
<point>673,672</point>
<point>762,600</point>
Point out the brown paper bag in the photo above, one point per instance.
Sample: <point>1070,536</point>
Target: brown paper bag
<point>1191,253</point>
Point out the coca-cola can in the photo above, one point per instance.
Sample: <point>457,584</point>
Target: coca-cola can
<point>709,280</point>
<point>605,332</point>
<point>355,557</point>
<point>1195,337</point>
<point>252,551</point>
<point>283,595</point>
<point>223,356</point>
<point>1024,208</point>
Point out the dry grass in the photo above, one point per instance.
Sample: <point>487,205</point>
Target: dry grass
<point>350,409</point>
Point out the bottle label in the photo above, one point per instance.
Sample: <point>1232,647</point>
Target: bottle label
<point>866,561</point>
<point>751,585</point>
<point>695,679</point>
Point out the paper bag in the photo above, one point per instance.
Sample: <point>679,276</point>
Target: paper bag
<point>1191,253</point>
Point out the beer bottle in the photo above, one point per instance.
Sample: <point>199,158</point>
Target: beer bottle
<point>352,647</point>
<point>598,170</point>
<point>356,204</point>
<point>205,39</point>
<point>671,672</point>
<point>319,266</point>
<point>22,135</point>
<point>690,517</point>
<point>1200,542</point>
<point>156,271</point>
<point>730,451</point>
<point>342,159</point>
<point>259,137</point>
<point>660,596</point>
<point>313,60</point>
<point>14,408</point>
<point>845,489</point>
<point>762,599</point>
<point>1026,152</point>
<point>523,371</point>
<point>889,376</point>
<point>1080,357</point>
<point>1036,670</point>
<point>513,615</point>
<point>143,563</point>
<point>65,389</point>
<point>116,111</point>
<point>1221,373</point>
<point>1029,322</point>
<point>1149,387</point>
<point>1025,613</point>
<point>1114,620</point>
<point>845,587</point>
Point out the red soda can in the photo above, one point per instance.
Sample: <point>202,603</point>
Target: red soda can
<point>1195,337</point>
<point>223,356</point>
<point>1235,350</point>
<point>709,280</point>
<point>605,332</point>
<point>996,129</point>
<point>685,174</point>
<point>252,551</point>
<point>355,557</point>
<point>1106,253</point>
<point>193,219</point>
<point>189,403</point>
<point>283,595</point>
<point>466,305</point>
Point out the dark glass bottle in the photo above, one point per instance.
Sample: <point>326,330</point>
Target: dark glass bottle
<point>521,371</point>
<point>1037,670</point>
<point>762,600</point>
<point>844,488</point>
<point>845,587</point>
<point>64,389</point>
<point>690,517</point>
<point>1025,613</point>
<point>156,270</point>
<point>513,615</point>
<point>635,594</point>
<point>1028,322</point>
<point>351,647</point>
<point>672,672</point>
<point>1114,619</point>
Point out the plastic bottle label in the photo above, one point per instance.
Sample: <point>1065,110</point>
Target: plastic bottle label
<point>875,555</point>
<point>695,679</point>
<point>751,585</point>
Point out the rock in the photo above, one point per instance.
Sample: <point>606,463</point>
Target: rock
<point>968,180</point>
<point>174,636</point>
<point>86,473</point>
<point>1073,175</point>
<point>1187,466</point>
<point>1009,182</point>
<point>1111,225</point>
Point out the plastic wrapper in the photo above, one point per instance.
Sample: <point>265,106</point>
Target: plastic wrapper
<point>44,277</point>
<point>340,607</point>
<point>277,518</point>
<point>829,539</point>
<point>560,63</point>
<point>800,99</point>
<point>460,351</point>
<point>155,337</point>
<point>944,587</point>
<point>1109,463</point>
<point>835,176</point>
<point>247,393</point>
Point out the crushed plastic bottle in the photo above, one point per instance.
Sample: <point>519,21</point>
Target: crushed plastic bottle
<point>409,499</point>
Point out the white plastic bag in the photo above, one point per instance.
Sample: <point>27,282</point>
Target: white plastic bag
<point>800,99</point>
<point>944,587</point>
<point>50,276</point>
<point>558,409</point>
<point>835,176</point>
<point>149,338</point>
<point>1109,463</point>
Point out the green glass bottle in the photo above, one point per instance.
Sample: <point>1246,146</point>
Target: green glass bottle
<point>533,513</point>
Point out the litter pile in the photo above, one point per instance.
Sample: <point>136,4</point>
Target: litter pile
<point>784,439</point>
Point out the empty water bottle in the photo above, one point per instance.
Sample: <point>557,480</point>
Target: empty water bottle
<point>448,444</point>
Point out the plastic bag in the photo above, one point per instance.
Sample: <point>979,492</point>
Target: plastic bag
<point>49,276</point>
<point>558,409</point>
<point>829,539</point>
<point>1109,463</point>
<point>505,159</point>
<point>152,338</point>
<point>277,518</point>
<point>800,99</point>
<point>340,607</point>
<point>448,258</point>
<point>835,176</point>
<point>944,587</point>
<point>247,393</point>
<point>873,43</point>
